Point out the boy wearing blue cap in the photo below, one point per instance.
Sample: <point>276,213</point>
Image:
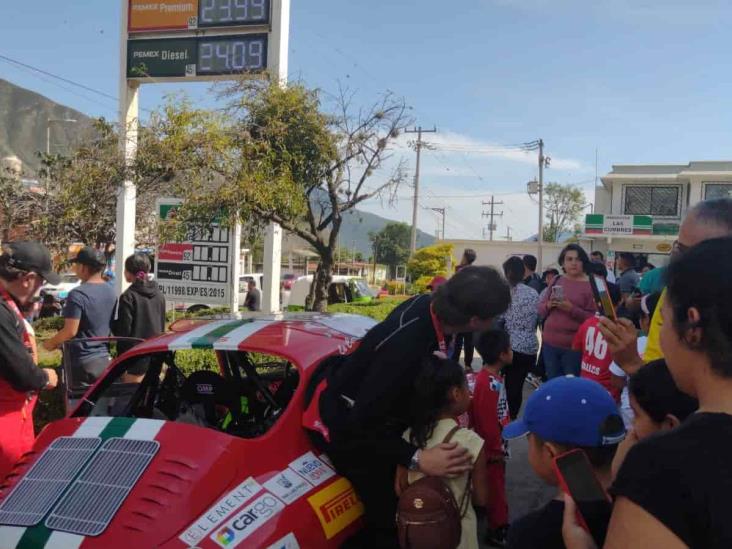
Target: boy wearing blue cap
<point>563,414</point>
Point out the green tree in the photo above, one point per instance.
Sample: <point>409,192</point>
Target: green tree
<point>281,158</point>
<point>17,203</point>
<point>391,245</point>
<point>563,206</point>
<point>430,261</point>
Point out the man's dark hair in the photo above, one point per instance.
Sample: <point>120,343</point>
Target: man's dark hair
<point>492,344</point>
<point>472,291</point>
<point>7,272</point>
<point>530,262</point>
<point>513,268</point>
<point>581,253</point>
<point>655,391</point>
<point>252,282</point>
<point>627,257</point>
<point>714,212</point>
<point>469,255</point>
<point>598,253</point>
<point>598,269</point>
<point>690,284</point>
<point>137,263</point>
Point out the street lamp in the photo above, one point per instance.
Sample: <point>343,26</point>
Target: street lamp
<point>48,129</point>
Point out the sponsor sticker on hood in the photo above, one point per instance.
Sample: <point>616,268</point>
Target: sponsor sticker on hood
<point>288,486</point>
<point>312,468</point>
<point>337,506</point>
<point>220,511</point>
<point>248,520</point>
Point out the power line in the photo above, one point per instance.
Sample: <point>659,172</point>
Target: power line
<point>57,77</point>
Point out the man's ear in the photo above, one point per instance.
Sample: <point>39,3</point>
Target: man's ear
<point>694,333</point>
<point>670,422</point>
<point>552,449</point>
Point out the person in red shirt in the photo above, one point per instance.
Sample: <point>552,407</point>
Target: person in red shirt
<point>596,357</point>
<point>488,415</point>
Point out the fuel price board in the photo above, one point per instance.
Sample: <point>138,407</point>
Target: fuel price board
<point>196,56</point>
<point>164,15</point>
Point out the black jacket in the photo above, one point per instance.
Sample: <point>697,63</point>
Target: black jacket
<point>378,378</point>
<point>141,313</point>
<point>16,363</point>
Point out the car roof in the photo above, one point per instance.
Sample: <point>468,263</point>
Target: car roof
<point>302,338</point>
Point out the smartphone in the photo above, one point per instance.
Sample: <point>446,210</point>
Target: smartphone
<point>557,293</point>
<point>602,297</point>
<point>577,479</point>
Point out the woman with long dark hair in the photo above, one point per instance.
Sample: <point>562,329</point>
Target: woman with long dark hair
<point>564,306</point>
<point>672,490</point>
<point>359,404</point>
<point>520,321</point>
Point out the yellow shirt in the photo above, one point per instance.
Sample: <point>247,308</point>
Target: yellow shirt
<point>473,443</point>
<point>653,349</point>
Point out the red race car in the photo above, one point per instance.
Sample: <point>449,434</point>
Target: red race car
<point>153,456</point>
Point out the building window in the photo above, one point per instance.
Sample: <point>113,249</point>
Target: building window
<point>651,200</point>
<point>717,190</point>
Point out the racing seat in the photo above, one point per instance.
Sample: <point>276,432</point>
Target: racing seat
<point>202,394</point>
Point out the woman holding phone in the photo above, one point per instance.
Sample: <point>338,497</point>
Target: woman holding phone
<point>566,304</point>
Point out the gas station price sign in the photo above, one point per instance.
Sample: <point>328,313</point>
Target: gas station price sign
<point>148,15</point>
<point>196,56</point>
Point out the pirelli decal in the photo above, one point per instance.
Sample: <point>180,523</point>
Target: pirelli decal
<point>337,507</point>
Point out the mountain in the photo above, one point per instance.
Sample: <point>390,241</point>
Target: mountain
<point>357,225</point>
<point>24,122</point>
<point>24,117</point>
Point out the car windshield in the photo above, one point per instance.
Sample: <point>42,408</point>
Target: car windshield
<point>239,393</point>
<point>363,288</point>
<point>69,279</point>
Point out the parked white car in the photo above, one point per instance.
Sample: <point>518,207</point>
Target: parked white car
<point>61,290</point>
<point>342,289</point>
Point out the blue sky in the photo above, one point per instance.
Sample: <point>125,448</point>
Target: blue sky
<point>638,80</point>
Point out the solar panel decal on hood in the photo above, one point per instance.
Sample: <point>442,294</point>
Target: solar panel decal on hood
<point>39,536</point>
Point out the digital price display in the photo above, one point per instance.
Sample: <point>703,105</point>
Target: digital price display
<point>194,57</point>
<point>232,13</point>
<point>231,54</point>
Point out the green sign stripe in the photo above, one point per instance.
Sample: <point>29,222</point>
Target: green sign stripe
<point>117,427</point>
<point>35,537</point>
<point>207,341</point>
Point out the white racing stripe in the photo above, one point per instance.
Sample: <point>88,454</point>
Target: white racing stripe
<point>185,341</point>
<point>144,429</point>
<point>64,540</point>
<point>10,536</point>
<point>232,340</point>
<point>92,427</point>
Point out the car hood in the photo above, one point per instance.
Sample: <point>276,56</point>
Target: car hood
<point>162,477</point>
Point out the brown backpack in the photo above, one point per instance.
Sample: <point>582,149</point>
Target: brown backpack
<point>428,517</point>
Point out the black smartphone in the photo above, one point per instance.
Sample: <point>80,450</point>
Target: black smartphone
<point>577,478</point>
<point>602,296</point>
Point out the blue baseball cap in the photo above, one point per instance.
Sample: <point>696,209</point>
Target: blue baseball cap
<point>569,410</point>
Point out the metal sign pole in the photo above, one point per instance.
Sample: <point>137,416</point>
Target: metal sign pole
<point>127,193</point>
<point>277,56</point>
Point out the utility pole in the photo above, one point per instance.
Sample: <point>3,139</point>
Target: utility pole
<point>543,161</point>
<point>441,211</point>
<point>508,233</point>
<point>492,215</point>
<point>419,131</point>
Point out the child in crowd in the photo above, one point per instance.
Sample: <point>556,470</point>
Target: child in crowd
<point>563,414</point>
<point>441,395</point>
<point>488,416</point>
<point>596,357</point>
<point>657,405</point>
<point>619,378</point>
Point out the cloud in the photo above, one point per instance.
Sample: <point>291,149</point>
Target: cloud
<point>451,143</point>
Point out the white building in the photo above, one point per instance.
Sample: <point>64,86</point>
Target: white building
<point>639,208</point>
